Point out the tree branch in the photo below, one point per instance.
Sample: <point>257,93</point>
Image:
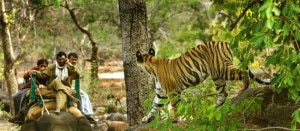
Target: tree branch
<point>82,29</point>
<point>231,21</point>
<point>295,42</point>
<point>242,14</point>
<point>269,128</point>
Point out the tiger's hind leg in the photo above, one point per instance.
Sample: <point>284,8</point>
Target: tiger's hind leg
<point>222,94</point>
<point>236,74</point>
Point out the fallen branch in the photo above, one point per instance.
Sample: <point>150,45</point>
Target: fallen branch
<point>268,128</point>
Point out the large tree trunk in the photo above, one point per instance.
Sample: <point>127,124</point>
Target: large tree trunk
<point>9,67</point>
<point>133,18</point>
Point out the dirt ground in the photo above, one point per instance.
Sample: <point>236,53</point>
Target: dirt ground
<point>6,126</point>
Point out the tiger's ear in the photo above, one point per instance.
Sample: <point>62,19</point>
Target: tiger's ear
<point>139,56</point>
<point>151,52</point>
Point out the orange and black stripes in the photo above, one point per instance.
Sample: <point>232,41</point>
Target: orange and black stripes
<point>191,68</point>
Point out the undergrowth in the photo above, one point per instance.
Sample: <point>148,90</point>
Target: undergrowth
<point>197,112</point>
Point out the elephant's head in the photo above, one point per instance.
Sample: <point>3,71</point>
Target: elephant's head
<point>63,121</point>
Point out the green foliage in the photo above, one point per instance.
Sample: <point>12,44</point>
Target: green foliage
<point>56,3</point>
<point>296,119</point>
<point>176,25</point>
<point>4,113</point>
<point>197,110</point>
<point>267,25</point>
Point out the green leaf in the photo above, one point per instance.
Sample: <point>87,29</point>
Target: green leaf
<point>286,28</point>
<point>293,92</point>
<point>297,35</point>
<point>288,81</point>
<point>297,100</point>
<point>268,12</point>
<point>265,5</point>
<point>272,60</point>
<point>269,23</point>
<point>268,41</point>
<point>218,115</point>
<point>211,115</point>
<point>276,11</point>
<point>56,3</point>
<point>164,101</point>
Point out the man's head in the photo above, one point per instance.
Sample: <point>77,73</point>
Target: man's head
<point>61,58</point>
<point>42,64</point>
<point>73,57</point>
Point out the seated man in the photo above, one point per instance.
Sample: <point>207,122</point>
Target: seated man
<point>85,105</point>
<point>57,76</point>
<point>20,99</point>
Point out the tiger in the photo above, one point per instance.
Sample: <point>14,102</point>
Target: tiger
<point>172,76</point>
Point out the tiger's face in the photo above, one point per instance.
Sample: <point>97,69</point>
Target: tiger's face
<point>148,62</point>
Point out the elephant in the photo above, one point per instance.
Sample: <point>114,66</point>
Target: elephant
<point>62,121</point>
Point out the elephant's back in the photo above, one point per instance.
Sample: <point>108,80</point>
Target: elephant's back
<point>63,121</point>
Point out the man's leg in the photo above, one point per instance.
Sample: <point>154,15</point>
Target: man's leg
<point>18,105</point>
<point>61,100</point>
<point>57,85</point>
<point>17,101</point>
<point>86,107</point>
<point>35,110</point>
<point>77,113</point>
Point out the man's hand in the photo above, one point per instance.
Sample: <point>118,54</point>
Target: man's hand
<point>32,72</point>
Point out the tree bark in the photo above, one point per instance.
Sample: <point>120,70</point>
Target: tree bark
<point>9,65</point>
<point>133,19</point>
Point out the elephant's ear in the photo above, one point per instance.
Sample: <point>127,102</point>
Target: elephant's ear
<point>151,52</point>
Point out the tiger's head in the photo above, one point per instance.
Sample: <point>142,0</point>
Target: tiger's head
<point>148,62</point>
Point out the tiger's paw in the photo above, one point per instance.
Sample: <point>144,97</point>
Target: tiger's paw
<point>147,120</point>
<point>220,102</point>
<point>221,99</point>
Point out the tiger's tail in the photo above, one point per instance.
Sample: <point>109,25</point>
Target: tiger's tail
<point>252,76</point>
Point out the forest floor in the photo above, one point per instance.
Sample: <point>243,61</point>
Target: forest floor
<point>7,126</point>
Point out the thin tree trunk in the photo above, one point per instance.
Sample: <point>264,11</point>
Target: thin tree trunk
<point>94,57</point>
<point>133,18</point>
<point>9,67</point>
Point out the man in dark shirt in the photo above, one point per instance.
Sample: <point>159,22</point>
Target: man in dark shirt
<point>20,99</point>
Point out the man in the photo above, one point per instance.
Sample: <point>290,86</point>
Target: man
<point>85,105</point>
<point>57,76</point>
<point>20,99</point>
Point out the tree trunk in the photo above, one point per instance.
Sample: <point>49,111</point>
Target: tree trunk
<point>133,18</point>
<point>9,67</point>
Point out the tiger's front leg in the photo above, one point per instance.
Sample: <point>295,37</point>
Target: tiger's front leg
<point>174,99</point>
<point>155,107</point>
<point>160,95</point>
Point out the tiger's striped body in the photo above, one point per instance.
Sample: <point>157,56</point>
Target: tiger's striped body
<point>193,67</point>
